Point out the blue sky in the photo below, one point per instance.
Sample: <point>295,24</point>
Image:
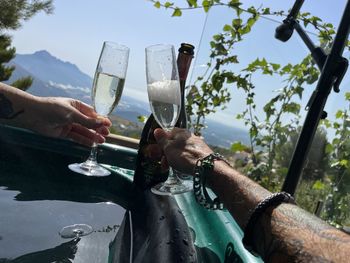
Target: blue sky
<point>76,30</point>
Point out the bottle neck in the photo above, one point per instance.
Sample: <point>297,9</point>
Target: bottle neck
<point>183,64</point>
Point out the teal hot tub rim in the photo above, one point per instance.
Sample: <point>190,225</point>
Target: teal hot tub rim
<point>39,155</point>
<point>108,153</point>
<point>173,227</point>
<point>221,232</point>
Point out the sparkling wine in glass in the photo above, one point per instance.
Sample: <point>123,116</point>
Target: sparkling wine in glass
<point>106,92</point>
<point>164,94</point>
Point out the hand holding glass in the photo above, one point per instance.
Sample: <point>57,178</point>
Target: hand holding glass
<point>164,96</point>
<point>106,92</point>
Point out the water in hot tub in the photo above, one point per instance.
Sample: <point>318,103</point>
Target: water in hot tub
<point>29,229</point>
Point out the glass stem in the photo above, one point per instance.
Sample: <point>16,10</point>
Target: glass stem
<point>172,178</point>
<point>93,153</point>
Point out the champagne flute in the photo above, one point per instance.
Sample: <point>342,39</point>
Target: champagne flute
<point>164,94</point>
<point>106,92</point>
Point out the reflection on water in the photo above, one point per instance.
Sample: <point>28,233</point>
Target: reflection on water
<point>29,230</point>
<point>34,206</point>
<point>39,196</point>
<point>62,253</point>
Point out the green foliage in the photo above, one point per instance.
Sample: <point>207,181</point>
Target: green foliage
<point>212,90</point>
<point>309,193</point>
<point>267,135</point>
<point>238,147</point>
<point>273,134</point>
<point>6,54</point>
<point>317,161</point>
<point>337,210</point>
<point>142,118</point>
<point>157,4</point>
<point>131,132</point>
<point>23,83</point>
<point>13,12</point>
<point>177,12</point>
<point>168,4</point>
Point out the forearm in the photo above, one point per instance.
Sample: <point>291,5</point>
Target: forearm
<point>284,234</point>
<point>16,106</point>
<point>239,194</point>
<point>290,234</point>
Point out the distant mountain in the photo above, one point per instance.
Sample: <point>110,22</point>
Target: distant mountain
<point>39,87</point>
<point>54,77</point>
<point>51,69</point>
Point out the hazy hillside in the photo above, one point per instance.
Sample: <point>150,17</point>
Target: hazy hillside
<point>39,87</point>
<point>223,135</point>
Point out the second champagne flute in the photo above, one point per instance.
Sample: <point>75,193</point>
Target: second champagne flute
<point>106,92</point>
<point>164,94</point>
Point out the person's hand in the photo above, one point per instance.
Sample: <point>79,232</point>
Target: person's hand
<point>69,118</point>
<point>181,148</point>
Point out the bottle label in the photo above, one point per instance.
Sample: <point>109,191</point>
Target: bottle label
<point>148,171</point>
<point>152,173</point>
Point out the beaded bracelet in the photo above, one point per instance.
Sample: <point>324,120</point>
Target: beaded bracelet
<point>201,170</point>
<point>272,201</point>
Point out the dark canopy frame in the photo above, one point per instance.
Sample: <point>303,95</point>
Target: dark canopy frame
<point>333,67</point>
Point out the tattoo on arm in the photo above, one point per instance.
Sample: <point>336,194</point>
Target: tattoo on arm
<point>293,235</point>
<point>6,109</point>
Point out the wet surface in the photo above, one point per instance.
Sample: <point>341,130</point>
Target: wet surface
<point>29,229</point>
<point>39,196</point>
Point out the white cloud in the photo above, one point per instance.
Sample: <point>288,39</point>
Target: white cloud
<point>69,87</point>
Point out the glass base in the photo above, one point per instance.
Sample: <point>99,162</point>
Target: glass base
<point>172,187</point>
<point>89,168</point>
<point>182,176</point>
<point>75,231</point>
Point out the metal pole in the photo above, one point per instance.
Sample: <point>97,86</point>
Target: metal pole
<point>317,53</point>
<point>324,86</point>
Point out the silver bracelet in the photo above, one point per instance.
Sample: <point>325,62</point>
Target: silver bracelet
<point>203,167</point>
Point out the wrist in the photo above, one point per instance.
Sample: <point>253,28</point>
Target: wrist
<point>202,172</point>
<point>33,107</point>
<point>218,172</point>
<point>18,109</point>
